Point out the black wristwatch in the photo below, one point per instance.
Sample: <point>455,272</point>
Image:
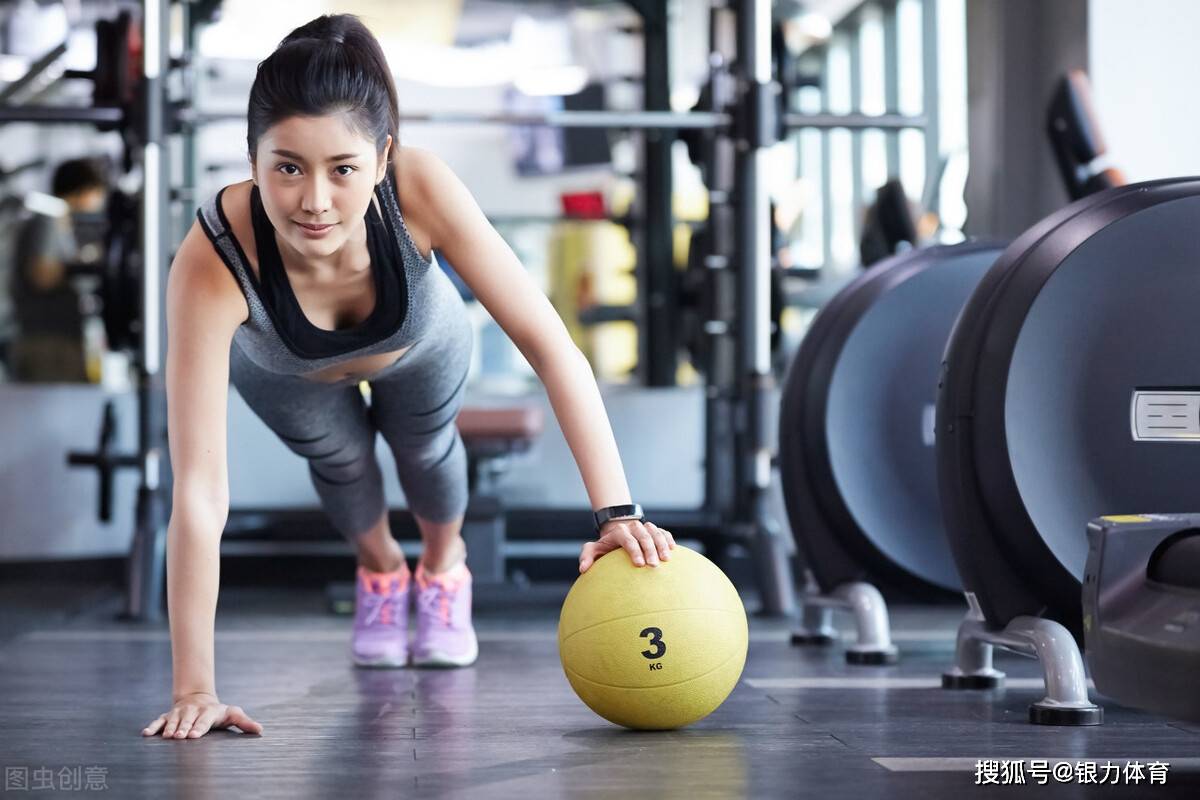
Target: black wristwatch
<point>617,512</point>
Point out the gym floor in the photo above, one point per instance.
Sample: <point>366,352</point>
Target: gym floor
<point>77,686</point>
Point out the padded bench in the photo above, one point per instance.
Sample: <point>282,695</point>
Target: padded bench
<point>492,436</point>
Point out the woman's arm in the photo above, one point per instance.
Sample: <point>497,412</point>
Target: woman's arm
<point>458,228</point>
<point>204,308</point>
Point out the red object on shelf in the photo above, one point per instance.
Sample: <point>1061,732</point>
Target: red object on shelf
<point>583,205</point>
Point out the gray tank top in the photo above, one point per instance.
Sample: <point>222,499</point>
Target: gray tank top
<point>428,294</point>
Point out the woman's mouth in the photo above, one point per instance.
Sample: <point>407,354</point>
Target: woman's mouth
<point>314,231</point>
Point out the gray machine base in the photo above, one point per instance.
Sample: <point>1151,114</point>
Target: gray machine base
<point>1066,701</point>
<point>874,646</point>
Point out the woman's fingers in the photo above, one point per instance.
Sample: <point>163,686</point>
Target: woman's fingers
<point>185,724</point>
<point>203,723</point>
<point>192,721</point>
<point>663,540</point>
<point>646,543</point>
<point>236,716</point>
<point>593,550</point>
<point>629,543</point>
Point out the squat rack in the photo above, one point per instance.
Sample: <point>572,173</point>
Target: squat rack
<point>739,447</point>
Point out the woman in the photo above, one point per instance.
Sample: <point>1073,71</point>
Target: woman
<point>305,280</point>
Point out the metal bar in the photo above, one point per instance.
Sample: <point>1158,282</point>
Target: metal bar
<point>721,379</point>
<point>826,165</point>
<point>884,122</point>
<point>628,120</point>
<point>658,327</point>
<point>929,99</point>
<point>756,386</point>
<point>148,551</point>
<point>192,75</point>
<point>891,82</point>
<point>35,71</point>
<point>523,523</point>
<point>631,120</point>
<point>640,120</point>
<point>856,138</point>
<point>568,548</point>
<point>51,115</point>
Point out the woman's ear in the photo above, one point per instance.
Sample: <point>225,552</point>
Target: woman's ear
<point>382,166</point>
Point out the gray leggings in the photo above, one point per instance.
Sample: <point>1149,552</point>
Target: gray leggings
<point>414,404</point>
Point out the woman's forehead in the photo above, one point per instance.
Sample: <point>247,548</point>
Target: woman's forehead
<point>317,137</point>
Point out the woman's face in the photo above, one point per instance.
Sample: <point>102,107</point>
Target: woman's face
<point>316,177</point>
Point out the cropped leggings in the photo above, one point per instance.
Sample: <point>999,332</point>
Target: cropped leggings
<point>414,404</point>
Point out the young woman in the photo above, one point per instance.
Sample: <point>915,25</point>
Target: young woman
<point>307,279</point>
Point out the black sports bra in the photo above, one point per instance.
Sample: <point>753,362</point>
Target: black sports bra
<point>387,269</point>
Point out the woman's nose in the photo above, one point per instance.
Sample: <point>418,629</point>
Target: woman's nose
<point>316,197</point>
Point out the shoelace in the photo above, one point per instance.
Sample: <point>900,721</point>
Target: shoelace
<point>441,597</point>
<point>381,605</point>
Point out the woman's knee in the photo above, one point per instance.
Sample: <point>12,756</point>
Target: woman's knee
<point>428,451</point>
<point>340,460</point>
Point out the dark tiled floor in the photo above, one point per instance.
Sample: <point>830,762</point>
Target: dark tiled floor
<point>76,688</point>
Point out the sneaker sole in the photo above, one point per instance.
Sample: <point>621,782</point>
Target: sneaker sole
<point>383,662</point>
<point>438,659</point>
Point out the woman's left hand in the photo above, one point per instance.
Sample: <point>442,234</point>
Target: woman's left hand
<point>645,542</point>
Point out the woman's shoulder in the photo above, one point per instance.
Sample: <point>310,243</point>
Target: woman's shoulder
<point>200,265</point>
<point>234,203</point>
<point>202,275</point>
<point>418,172</point>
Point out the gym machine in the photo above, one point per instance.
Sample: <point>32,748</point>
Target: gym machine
<point>856,442</point>
<point>1141,604</point>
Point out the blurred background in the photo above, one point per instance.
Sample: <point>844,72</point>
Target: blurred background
<point>966,82</point>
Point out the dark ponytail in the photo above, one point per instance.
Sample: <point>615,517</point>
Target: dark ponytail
<point>330,65</point>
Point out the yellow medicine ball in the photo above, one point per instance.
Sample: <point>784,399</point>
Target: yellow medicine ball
<point>653,647</point>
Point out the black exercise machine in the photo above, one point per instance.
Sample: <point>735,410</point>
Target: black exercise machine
<point>1141,602</point>
<point>856,442</point>
<point>1075,136</point>
<point>1084,320</point>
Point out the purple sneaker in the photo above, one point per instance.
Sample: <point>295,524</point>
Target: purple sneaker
<point>380,636</point>
<point>445,637</point>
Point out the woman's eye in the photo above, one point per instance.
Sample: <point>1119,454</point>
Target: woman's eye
<point>283,167</point>
<point>346,174</point>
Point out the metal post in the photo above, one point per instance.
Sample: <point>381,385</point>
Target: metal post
<point>856,137</point>
<point>720,380</point>
<point>190,143</point>
<point>657,290</point>
<point>891,82</point>
<point>826,165</point>
<point>754,340</point>
<point>148,555</point>
<point>930,100</point>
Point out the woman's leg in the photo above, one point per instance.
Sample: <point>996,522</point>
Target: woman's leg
<point>328,426</point>
<point>378,550</point>
<point>415,409</point>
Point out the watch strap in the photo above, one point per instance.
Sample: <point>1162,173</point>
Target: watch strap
<point>603,515</point>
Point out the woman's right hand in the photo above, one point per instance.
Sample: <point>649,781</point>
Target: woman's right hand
<point>195,714</point>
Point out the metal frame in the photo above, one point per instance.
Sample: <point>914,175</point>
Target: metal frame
<point>891,123</point>
<point>658,359</point>
<point>148,551</point>
<point>615,120</point>
<point>737,430</point>
<point>60,115</point>
<point>753,464</point>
